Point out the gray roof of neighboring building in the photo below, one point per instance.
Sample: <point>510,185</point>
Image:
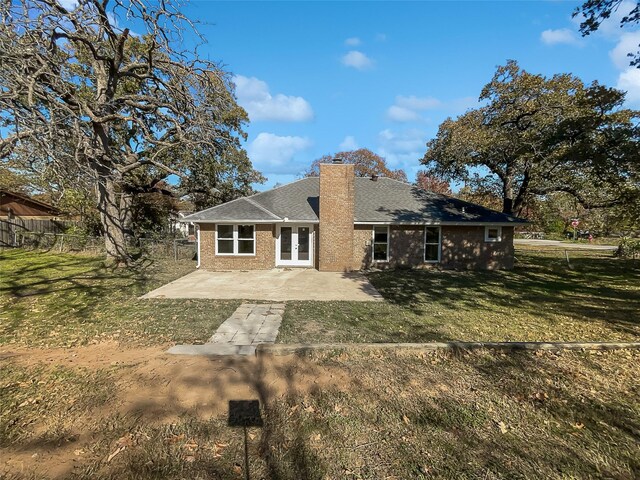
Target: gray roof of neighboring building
<point>383,200</point>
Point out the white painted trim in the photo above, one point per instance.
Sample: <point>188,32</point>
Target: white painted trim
<point>424,245</point>
<point>198,236</point>
<point>373,244</point>
<point>294,231</point>
<point>235,240</point>
<point>492,240</point>
<point>448,224</point>
<point>253,222</point>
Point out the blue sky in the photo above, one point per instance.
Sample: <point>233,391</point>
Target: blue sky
<point>319,77</point>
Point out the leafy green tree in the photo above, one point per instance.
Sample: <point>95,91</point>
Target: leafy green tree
<point>366,164</point>
<point>537,135</point>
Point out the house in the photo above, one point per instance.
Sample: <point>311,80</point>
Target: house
<point>16,205</point>
<point>337,222</point>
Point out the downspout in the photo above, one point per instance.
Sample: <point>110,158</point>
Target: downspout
<point>198,237</point>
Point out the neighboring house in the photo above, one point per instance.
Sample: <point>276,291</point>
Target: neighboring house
<point>185,229</point>
<point>337,222</point>
<point>16,205</point>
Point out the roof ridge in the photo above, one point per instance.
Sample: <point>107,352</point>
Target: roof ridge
<point>257,205</point>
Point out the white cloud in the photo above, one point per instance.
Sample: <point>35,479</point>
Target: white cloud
<point>396,113</point>
<point>272,153</point>
<point>629,43</point>
<point>402,149</point>
<point>629,81</point>
<point>357,60</point>
<point>381,37</point>
<point>254,96</point>
<point>418,103</point>
<point>353,42</point>
<point>559,36</point>
<point>349,143</point>
<point>406,108</point>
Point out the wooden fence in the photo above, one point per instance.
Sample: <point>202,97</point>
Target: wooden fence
<point>11,230</point>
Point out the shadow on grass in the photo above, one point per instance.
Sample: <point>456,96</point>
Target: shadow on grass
<point>597,287</point>
<point>401,416</point>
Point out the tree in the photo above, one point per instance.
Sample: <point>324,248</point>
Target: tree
<point>594,12</point>
<point>538,135</point>
<point>83,94</point>
<point>366,164</point>
<point>432,183</point>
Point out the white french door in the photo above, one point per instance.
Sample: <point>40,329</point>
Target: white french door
<point>294,246</point>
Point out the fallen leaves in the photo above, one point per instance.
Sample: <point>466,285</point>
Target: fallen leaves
<point>502,426</point>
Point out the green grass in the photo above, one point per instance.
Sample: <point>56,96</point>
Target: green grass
<point>50,299</point>
<point>392,415</point>
<point>540,300</point>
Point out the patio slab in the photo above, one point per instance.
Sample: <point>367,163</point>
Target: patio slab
<point>277,285</point>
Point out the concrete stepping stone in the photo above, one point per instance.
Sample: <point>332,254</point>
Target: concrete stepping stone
<point>250,325</point>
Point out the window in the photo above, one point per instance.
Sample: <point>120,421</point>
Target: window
<point>432,244</point>
<point>235,240</point>
<point>492,234</point>
<point>381,243</point>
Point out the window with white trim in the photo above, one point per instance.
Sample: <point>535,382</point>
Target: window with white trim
<point>492,234</point>
<point>235,239</point>
<point>380,244</point>
<point>432,240</point>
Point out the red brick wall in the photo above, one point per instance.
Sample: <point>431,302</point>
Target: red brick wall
<point>462,248</point>
<point>335,239</point>
<point>264,258</point>
<point>465,248</point>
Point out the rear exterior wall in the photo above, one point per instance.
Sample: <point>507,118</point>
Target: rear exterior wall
<point>264,259</point>
<point>462,247</point>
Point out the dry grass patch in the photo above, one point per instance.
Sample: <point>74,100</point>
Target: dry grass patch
<point>51,299</point>
<point>335,415</point>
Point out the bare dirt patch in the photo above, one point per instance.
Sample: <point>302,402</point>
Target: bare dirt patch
<point>144,386</point>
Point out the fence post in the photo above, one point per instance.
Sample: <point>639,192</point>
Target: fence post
<point>61,241</point>
<point>175,250</point>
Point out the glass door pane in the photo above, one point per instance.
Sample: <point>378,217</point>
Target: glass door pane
<point>303,243</point>
<point>285,243</point>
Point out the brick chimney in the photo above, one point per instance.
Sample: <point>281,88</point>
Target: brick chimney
<point>335,236</point>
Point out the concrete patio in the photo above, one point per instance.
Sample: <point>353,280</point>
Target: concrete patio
<point>278,285</point>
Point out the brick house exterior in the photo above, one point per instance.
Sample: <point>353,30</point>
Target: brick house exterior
<point>338,222</point>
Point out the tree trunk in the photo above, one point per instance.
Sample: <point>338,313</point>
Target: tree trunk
<point>112,222</point>
<point>507,196</point>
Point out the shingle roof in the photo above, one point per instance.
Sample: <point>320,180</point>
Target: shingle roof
<point>382,200</point>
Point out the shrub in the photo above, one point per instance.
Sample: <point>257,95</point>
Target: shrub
<point>628,248</point>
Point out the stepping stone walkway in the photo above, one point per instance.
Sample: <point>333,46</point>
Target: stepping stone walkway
<point>250,325</point>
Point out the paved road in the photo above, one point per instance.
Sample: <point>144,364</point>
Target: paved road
<point>559,244</point>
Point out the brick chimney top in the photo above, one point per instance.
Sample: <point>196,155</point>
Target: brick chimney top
<point>337,160</point>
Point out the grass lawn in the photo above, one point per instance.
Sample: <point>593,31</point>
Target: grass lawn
<point>338,415</point>
<point>51,299</point>
<point>110,404</point>
<point>540,300</point>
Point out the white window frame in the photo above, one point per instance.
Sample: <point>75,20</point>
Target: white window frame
<point>235,240</point>
<point>492,240</point>
<point>424,244</point>
<point>373,243</point>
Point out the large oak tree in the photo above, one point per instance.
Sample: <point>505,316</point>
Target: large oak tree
<point>537,135</point>
<point>81,94</point>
